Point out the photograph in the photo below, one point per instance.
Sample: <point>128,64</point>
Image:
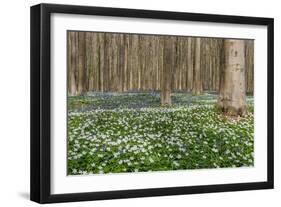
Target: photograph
<point>139,103</point>
<point>129,103</point>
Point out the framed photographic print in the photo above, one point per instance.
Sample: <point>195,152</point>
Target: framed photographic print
<point>132,103</point>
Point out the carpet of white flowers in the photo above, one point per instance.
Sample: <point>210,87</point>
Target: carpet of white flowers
<point>130,132</point>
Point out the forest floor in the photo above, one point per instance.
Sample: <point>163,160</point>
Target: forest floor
<point>131,132</point>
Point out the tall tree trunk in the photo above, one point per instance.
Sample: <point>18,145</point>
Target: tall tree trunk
<point>197,80</point>
<point>249,65</point>
<point>81,63</point>
<point>190,64</point>
<point>101,61</point>
<point>232,97</point>
<point>72,62</point>
<point>167,72</point>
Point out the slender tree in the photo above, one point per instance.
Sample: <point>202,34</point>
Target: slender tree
<point>72,51</point>
<point>101,60</point>
<point>167,72</point>
<point>190,64</point>
<point>81,63</point>
<point>197,79</point>
<point>232,96</point>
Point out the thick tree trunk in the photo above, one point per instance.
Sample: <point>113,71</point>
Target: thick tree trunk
<point>197,79</point>
<point>167,72</point>
<point>232,97</point>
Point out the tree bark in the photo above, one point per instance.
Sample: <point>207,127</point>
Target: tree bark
<point>167,72</point>
<point>81,63</point>
<point>197,80</point>
<point>232,97</point>
<point>72,63</point>
<point>101,60</point>
<point>189,63</point>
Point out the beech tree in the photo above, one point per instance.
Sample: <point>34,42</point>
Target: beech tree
<point>232,94</point>
<point>100,61</point>
<point>72,53</point>
<point>197,79</point>
<point>167,72</point>
<point>190,63</point>
<point>81,63</point>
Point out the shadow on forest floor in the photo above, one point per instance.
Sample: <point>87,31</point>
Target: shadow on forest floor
<point>137,100</point>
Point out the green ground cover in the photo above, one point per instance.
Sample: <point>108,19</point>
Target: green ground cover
<point>131,132</point>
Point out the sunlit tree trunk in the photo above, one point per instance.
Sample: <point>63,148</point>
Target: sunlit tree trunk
<point>232,97</point>
<point>167,72</point>
<point>197,79</point>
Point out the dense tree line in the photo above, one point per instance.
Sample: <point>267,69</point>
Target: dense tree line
<point>133,62</point>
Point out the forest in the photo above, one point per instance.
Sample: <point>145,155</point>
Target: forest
<point>143,103</point>
<point>132,62</point>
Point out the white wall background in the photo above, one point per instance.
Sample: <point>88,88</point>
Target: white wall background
<point>14,101</point>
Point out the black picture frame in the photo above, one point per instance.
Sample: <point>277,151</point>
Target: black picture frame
<point>41,99</point>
